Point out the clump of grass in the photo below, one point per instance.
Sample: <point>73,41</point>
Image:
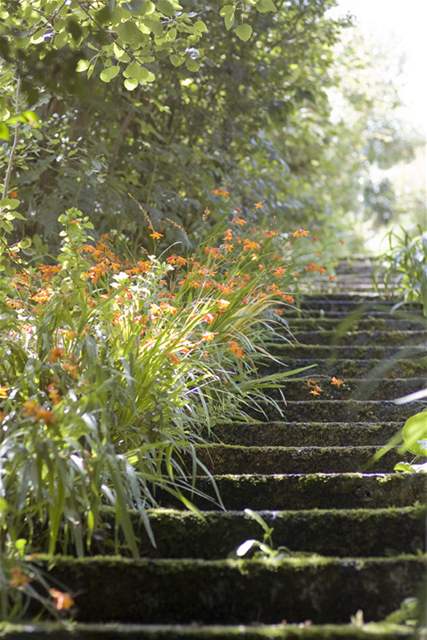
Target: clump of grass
<point>113,368</point>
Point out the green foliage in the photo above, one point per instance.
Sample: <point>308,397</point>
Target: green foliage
<point>405,265</point>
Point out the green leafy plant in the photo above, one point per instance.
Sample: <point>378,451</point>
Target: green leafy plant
<point>261,549</point>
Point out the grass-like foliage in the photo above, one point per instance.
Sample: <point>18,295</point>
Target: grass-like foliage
<point>113,368</point>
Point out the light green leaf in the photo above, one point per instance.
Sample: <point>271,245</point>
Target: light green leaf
<point>109,73</point>
<point>266,6</point>
<point>228,12</point>
<point>82,65</point>
<point>176,59</point>
<point>4,131</point>
<point>137,72</point>
<point>200,27</point>
<point>168,7</point>
<point>244,32</point>
<point>131,84</point>
<point>129,33</point>
<point>9,203</point>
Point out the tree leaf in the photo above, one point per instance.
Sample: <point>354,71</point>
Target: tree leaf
<point>244,32</point>
<point>109,73</point>
<point>228,12</point>
<point>82,65</point>
<point>265,6</point>
<point>4,132</point>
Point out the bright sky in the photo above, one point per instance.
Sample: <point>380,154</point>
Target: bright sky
<point>403,26</point>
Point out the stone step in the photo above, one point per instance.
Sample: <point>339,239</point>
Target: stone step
<point>345,324</point>
<point>323,590</point>
<point>329,532</point>
<point>237,459</point>
<point>304,631</point>
<point>285,351</point>
<point>308,491</point>
<point>352,388</point>
<point>298,434</point>
<point>364,313</point>
<point>356,368</point>
<point>362,338</point>
<point>320,410</point>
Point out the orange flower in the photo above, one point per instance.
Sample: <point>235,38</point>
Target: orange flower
<point>13,194</point>
<point>4,392</point>
<point>213,252</point>
<point>337,382</point>
<point>313,267</point>
<point>18,578</point>
<point>236,349</point>
<point>239,221</point>
<point>270,234</point>
<point>173,358</point>
<point>228,235</point>
<point>56,354</point>
<point>300,233</point>
<point>62,601</point>
<point>180,261</point>
<point>209,318</point>
<point>288,299</point>
<point>156,235</point>
<point>223,304</point>
<point>34,410</point>
<point>48,271</point>
<point>222,193</point>
<point>208,336</point>
<point>250,245</point>
<point>279,272</point>
<point>259,205</point>
<point>42,296</point>
<point>54,394</point>
<point>316,390</point>
<point>332,278</point>
<point>71,369</point>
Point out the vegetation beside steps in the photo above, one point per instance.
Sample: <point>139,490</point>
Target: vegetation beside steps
<point>344,536</point>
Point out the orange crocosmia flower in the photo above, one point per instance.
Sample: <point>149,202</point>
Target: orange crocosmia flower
<point>18,578</point>
<point>316,390</point>
<point>71,369</point>
<point>311,382</point>
<point>332,278</point>
<point>223,304</point>
<point>313,267</point>
<point>13,194</point>
<point>208,336</point>
<point>213,252</point>
<point>270,234</point>
<point>42,296</point>
<point>4,392</point>
<point>209,318</point>
<point>279,272</point>
<point>228,235</point>
<point>156,235</point>
<point>180,261</point>
<point>337,382</point>
<point>250,245</point>
<point>63,601</point>
<point>56,354</point>
<point>300,233</point>
<point>236,349</point>
<point>279,312</point>
<point>34,410</point>
<point>239,221</point>
<point>259,205</point>
<point>173,358</point>
<point>54,394</point>
<point>48,271</point>
<point>222,193</point>
<point>287,298</point>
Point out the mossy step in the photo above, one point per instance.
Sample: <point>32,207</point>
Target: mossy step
<point>216,535</point>
<point>305,631</point>
<point>59,631</point>
<point>356,368</point>
<point>286,350</point>
<point>352,388</point>
<point>355,304</point>
<point>308,491</point>
<point>320,410</point>
<point>298,434</point>
<point>235,459</point>
<point>362,338</point>
<point>323,590</point>
<point>391,323</point>
<point>364,313</point>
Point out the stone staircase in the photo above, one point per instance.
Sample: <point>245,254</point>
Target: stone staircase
<point>355,529</point>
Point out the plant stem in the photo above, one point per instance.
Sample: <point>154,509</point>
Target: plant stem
<point>15,142</point>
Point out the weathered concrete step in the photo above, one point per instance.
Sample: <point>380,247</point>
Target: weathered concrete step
<point>362,338</point>
<point>352,388</point>
<point>354,301</point>
<point>320,410</point>
<point>359,368</point>
<point>235,459</point>
<point>315,351</point>
<point>58,631</point>
<point>344,323</point>
<point>229,591</point>
<point>364,313</point>
<point>298,434</point>
<point>355,532</point>
<point>309,491</point>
